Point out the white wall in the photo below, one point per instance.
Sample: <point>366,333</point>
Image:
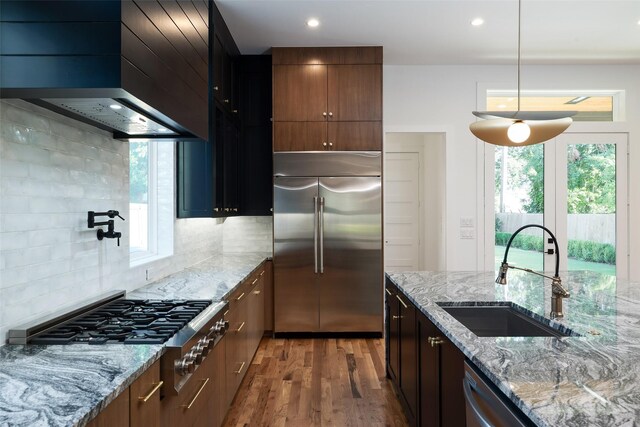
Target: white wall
<point>52,171</point>
<point>441,98</point>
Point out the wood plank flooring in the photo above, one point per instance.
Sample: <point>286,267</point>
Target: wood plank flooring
<point>317,382</point>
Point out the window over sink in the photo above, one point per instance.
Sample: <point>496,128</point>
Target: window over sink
<point>151,190</point>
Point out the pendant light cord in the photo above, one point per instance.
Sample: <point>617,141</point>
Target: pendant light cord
<point>519,24</point>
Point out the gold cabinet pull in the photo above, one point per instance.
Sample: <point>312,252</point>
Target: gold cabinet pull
<point>240,297</point>
<point>239,370</point>
<point>397,317</point>
<point>262,273</point>
<point>155,388</point>
<point>204,383</point>
<point>254,281</point>
<point>434,341</point>
<point>388,291</point>
<point>256,292</point>
<point>240,328</point>
<point>401,302</point>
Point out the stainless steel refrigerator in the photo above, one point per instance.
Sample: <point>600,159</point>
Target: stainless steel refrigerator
<point>327,225</point>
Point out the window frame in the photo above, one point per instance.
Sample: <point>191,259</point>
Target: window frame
<point>155,249</point>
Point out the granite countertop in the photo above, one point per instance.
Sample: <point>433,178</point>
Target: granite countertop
<point>58,385</point>
<point>587,380</point>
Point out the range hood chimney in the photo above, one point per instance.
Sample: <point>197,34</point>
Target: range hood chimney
<point>136,68</point>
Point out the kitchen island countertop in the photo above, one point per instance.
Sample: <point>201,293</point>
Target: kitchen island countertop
<point>68,385</point>
<point>587,380</point>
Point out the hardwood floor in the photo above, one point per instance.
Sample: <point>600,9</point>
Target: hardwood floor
<point>317,382</point>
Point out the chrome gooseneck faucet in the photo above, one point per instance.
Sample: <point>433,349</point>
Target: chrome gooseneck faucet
<point>557,290</point>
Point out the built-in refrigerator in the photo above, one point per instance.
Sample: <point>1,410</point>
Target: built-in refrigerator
<point>327,225</point>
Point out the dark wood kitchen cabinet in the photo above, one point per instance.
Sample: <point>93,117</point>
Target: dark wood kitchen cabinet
<point>231,173</point>
<point>137,406</point>
<point>402,364</point>
<point>196,404</point>
<point>268,298</point>
<point>424,366</point>
<point>144,405</point>
<point>246,327</point>
<point>327,99</point>
<point>441,373</point>
<point>194,172</point>
<point>255,186</point>
<point>115,414</point>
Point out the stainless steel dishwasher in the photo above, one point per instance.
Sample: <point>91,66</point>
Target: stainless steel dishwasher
<point>487,406</point>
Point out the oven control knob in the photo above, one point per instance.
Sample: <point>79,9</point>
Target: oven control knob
<point>192,360</point>
<point>184,366</point>
<point>219,328</point>
<point>201,349</point>
<point>211,342</point>
<point>222,326</point>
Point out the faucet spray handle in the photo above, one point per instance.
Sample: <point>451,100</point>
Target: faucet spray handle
<point>502,275</point>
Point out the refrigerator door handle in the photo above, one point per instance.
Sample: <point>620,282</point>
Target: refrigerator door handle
<point>315,234</point>
<point>321,235</point>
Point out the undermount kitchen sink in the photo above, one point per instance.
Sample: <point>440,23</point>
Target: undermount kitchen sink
<point>501,321</point>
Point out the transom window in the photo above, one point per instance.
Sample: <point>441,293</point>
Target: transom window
<point>591,106</point>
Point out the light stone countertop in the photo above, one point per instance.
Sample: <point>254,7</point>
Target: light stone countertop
<point>590,380</point>
<point>67,385</point>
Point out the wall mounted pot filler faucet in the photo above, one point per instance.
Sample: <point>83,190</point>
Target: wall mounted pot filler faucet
<point>110,233</point>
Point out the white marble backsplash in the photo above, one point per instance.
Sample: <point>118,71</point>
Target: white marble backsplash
<point>248,234</point>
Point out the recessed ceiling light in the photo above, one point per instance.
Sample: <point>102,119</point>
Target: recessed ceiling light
<point>115,107</point>
<point>313,23</point>
<point>477,22</point>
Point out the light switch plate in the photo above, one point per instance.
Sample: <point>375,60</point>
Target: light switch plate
<point>467,233</point>
<point>466,221</point>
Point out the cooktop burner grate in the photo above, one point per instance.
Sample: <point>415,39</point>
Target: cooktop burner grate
<point>126,321</point>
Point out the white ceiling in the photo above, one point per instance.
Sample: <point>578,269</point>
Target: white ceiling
<point>439,31</point>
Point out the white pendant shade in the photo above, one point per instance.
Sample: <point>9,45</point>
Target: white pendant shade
<point>495,131</point>
<point>524,115</point>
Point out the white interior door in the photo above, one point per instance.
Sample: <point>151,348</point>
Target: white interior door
<point>402,211</point>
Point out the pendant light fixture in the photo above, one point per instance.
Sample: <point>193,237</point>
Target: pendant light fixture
<point>520,128</point>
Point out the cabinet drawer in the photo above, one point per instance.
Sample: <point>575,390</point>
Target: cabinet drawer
<point>193,400</point>
<point>239,296</point>
<point>144,406</point>
<point>237,361</point>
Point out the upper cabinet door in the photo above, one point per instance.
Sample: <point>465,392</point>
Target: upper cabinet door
<point>358,136</point>
<point>355,92</point>
<point>299,93</point>
<point>218,67</point>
